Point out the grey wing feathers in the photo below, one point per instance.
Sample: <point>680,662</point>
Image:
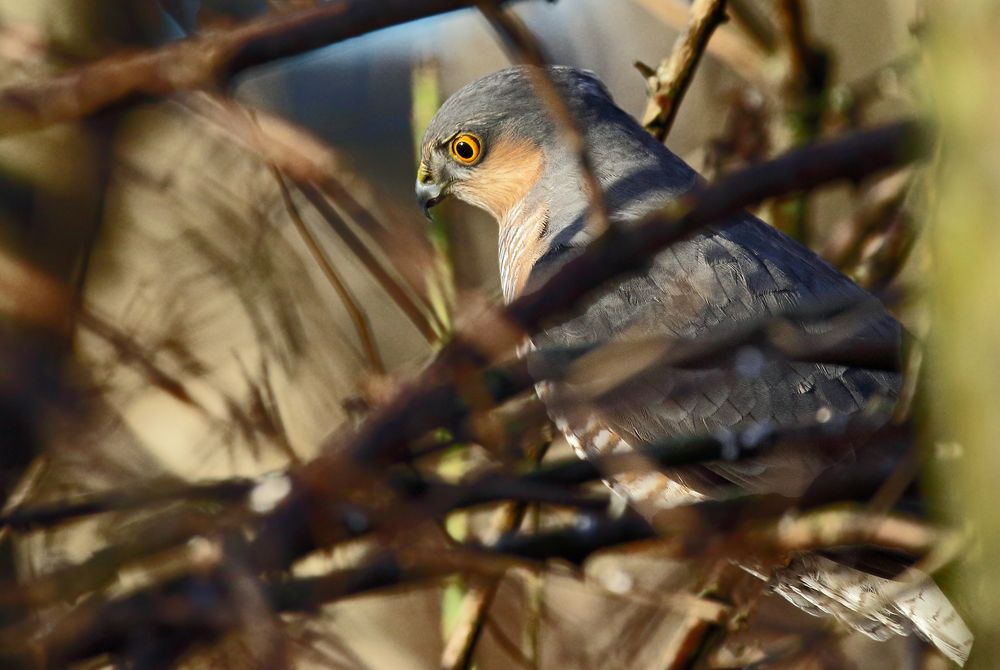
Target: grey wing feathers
<point>718,279</point>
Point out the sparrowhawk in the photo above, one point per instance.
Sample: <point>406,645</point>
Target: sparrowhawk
<point>495,145</point>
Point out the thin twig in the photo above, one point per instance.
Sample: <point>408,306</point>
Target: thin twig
<point>807,81</point>
<point>394,288</point>
<point>314,167</point>
<point>803,56</point>
<point>523,47</point>
<point>874,213</point>
<point>461,644</point>
<point>878,270</point>
<point>459,648</point>
<point>672,78</point>
<point>130,352</point>
<point>728,46</point>
<point>354,311</point>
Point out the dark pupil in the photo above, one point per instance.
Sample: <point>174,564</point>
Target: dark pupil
<point>464,150</point>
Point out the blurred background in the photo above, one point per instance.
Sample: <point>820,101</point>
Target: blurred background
<point>167,317</point>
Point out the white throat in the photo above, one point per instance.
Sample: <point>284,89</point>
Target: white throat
<point>519,246</point>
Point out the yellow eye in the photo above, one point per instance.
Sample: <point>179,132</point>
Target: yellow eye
<point>466,149</point>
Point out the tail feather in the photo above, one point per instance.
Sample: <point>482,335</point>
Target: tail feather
<point>873,605</point>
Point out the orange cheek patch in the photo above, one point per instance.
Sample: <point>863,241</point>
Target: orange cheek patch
<point>505,176</point>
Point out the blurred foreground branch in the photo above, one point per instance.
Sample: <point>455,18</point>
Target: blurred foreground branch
<point>322,176</point>
<point>524,48</point>
<point>202,62</point>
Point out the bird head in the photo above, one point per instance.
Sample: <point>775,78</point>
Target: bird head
<point>495,145</point>
<point>492,142</point>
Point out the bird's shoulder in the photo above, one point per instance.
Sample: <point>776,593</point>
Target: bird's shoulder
<point>740,272</point>
<point>724,275</point>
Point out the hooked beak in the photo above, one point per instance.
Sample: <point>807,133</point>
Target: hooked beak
<point>428,195</point>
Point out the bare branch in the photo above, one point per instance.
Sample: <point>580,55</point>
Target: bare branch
<point>201,62</point>
<point>668,86</point>
<point>40,516</point>
<point>728,46</point>
<point>714,528</point>
<point>459,648</point>
<point>524,47</point>
<point>807,64</point>
<point>832,528</point>
<point>319,173</point>
<point>354,311</point>
<point>877,207</point>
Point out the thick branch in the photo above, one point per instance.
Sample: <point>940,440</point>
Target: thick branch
<point>696,529</point>
<point>201,62</point>
<point>852,157</point>
<point>750,442</point>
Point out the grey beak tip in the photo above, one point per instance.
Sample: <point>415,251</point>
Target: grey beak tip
<point>428,195</point>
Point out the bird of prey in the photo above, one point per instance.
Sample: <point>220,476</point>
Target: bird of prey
<point>495,145</point>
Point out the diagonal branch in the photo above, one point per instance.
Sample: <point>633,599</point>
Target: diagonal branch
<point>729,46</point>
<point>357,315</point>
<point>201,62</point>
<point>670,81</point>
<point>322,176</point>
<point>523,47</point>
